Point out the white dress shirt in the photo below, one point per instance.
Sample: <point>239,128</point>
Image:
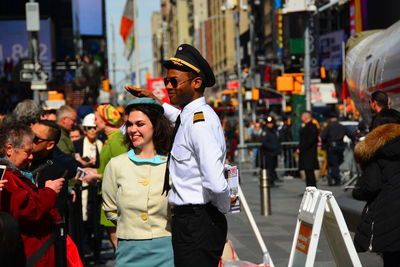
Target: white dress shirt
<point>197,159</point>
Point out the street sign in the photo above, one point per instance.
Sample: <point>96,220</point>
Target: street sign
<point>32,17</point>
<point>29,75</point>
<point>30,65</point>
<point>319,209</point>
<point>38,85</point>
<point>291,6</point>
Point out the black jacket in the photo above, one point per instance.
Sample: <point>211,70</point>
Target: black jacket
<point>308,159</point>
<point>52,171</point>
<point>333,134</point>
<point>386,115</point>
<point>271,145</point>
<point>78,145</point>
<point>379,186</point>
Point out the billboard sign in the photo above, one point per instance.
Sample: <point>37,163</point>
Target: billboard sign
<point>14,41</point>
<point>331,49</point>
<point>323,93</point>
<point>156,85</point>
<point>232,84</point>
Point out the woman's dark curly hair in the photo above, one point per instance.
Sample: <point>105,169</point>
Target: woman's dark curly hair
<point>161,125</point>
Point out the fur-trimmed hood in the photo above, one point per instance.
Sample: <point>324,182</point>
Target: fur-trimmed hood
<point>379,137</point>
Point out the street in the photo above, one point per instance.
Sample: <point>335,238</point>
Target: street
<point>278,229</point>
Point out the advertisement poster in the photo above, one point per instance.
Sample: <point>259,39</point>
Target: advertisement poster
<point>156,85</point>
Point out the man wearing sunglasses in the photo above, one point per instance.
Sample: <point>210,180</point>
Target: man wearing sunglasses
<point>44,166</point>
<point>199,194</point>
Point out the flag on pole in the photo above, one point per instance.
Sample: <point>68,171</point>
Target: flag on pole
<point>127,28</point>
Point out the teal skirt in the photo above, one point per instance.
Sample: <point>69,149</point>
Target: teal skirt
<point>148,252</point>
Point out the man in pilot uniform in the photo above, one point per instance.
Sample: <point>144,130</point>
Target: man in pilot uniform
<point>200,194</point>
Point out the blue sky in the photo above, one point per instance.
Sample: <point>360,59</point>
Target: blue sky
<point>114,9</point>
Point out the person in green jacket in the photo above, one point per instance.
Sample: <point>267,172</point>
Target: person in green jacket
<point>66,119</point>
<point>107,120</point>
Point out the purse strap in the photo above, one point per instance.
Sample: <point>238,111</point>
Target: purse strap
<point>35,257</point>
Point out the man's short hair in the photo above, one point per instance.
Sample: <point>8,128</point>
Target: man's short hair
<point>64,111</point>
<point>54,132</point>
<point>381,98</point>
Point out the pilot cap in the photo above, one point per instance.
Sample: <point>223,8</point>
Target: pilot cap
<point>188,59</point>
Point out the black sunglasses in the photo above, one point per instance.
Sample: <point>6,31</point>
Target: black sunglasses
<point>38,140</point>
<point>174,82</point>
<point>87,128</point>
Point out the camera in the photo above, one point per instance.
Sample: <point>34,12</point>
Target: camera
<point>80,173</point>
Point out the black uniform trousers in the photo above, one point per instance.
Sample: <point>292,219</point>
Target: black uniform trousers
<point>335,158</point>
<point>198,235</point>
<point>271,162</point>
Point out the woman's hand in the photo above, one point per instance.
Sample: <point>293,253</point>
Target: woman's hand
<point>56,185</point>
<point>91,176</point>
<point>2,183</point>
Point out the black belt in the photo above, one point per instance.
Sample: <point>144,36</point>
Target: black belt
<point>190,208</point>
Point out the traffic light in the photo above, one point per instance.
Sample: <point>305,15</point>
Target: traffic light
<point>255,94</point>
<point>148,75</point>
<point>290,82</point>
<point>322,71</point>
<point>106,85</point>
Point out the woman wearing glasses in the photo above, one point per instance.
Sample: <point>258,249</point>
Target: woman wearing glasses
<point>87,149</point>
<point>33,207</point>
<point>87,153</point>
<point>132,189</point>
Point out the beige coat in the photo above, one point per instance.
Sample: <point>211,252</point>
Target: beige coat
<point>132,196</point>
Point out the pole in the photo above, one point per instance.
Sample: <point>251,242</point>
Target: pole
<point>240,95</point>
<point>344,77</point>
<point>34,50</point>
<point>203,40</point>
<point>137,55</point>
<point>307,67</point>
<point>252,62</point>
<point>264,189</point>
<point>114,56</point>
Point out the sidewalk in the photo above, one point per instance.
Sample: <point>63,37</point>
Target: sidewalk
<point>278,229</point>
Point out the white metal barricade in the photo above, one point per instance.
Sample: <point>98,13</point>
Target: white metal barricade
<point>319,209</point>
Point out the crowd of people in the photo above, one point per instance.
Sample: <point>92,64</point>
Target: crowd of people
<point>70,177</point>
<point>152,175</point>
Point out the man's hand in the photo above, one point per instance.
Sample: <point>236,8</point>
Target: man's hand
<point>56,185</point>
<point>141,92</point>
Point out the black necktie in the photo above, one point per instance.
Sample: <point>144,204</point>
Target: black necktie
<point>166,186</point>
